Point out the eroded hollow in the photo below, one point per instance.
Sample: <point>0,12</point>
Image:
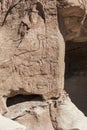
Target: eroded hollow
<point>23,98</point>
<point>39,7</point>
<point>76,73</point>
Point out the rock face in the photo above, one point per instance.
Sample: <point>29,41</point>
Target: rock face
<point>73,19</point>
<point>69,117</point>
<point>34,115</point>
<point>58,114</point>
<point>32,51</point>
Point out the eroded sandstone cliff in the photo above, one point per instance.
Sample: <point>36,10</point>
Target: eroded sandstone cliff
<point>32,51</point>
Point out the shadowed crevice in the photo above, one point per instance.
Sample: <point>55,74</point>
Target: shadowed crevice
<point>23,98</point>
<point>76,73</point>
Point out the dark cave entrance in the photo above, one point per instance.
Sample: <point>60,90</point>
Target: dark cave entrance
<point>76,73</point>
<point>19,98</point>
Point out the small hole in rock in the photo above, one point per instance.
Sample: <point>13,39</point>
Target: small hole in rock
<point>23,98</point>
<point>40,10</point>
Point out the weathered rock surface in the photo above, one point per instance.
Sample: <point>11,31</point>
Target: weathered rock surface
<point>73,19</point>
<point>68,116</point>
<point>57,114</point>
<point>7,124</point>
<point>32,51</point>
<point>34,115</point>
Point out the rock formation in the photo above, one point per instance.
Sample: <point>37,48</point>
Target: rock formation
<point>74,30</point>
<point>32,51</point>
<point>73,19</point>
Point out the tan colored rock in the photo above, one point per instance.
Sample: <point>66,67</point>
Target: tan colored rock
<point>55,114</point>
<point>32,53</point>
<point>66,116</point>
<point>73,19</point>
<point>33,115</point>
<point>32,49</point>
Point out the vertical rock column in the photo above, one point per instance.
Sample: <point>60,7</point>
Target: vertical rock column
<point>55,45</point>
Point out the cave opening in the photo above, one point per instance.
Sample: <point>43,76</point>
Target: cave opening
<point>76,73</point>
<point>19,98</point>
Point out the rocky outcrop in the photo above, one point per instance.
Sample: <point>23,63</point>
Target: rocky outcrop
<point>68,116</point>
<point>32,50</point>
<point>34,115</point>
<point>57,114</point>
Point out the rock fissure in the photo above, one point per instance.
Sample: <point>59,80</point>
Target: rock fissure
<point>23,98</point>
<point>9,10</point>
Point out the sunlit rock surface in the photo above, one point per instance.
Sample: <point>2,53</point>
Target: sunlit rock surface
<point>32,53</point>
<point>7,124</point>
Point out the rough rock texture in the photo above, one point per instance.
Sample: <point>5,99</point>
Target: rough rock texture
<point>58,114</point>
<point>32,50</point>
<point>34,115</point>
<point>73,19</point>
<point>68,116</point>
